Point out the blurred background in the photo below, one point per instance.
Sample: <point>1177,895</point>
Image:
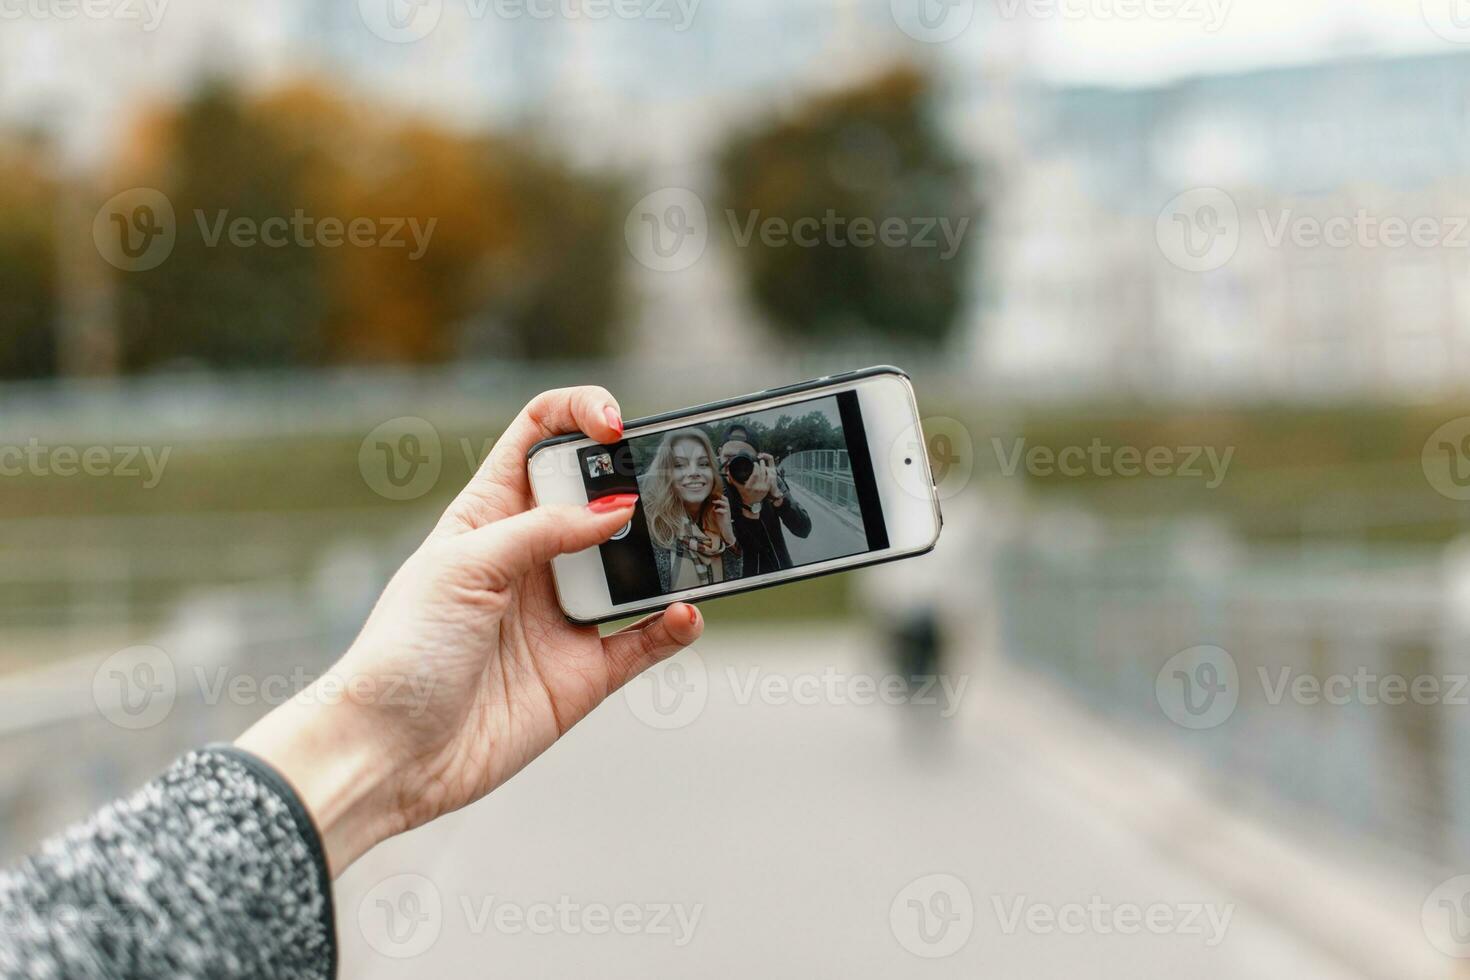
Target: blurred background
<point>1184,288</point>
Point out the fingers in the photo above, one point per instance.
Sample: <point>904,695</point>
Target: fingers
<point>590,409</point>
<point>501,485</point>
<point>636,648</point>
<point>507,549</point>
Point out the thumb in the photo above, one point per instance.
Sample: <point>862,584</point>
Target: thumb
<point>633,649</point>
<point>507,549</point>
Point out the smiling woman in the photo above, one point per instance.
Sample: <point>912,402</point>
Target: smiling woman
<point>688,515</point>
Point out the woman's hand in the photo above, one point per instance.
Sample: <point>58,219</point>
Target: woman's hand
<point>467,669</point>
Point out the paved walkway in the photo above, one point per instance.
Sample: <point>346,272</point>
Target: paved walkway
<point>831,536</point>
<point>756,815</point>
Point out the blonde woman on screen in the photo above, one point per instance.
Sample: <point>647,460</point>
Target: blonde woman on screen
<point>688,515</point>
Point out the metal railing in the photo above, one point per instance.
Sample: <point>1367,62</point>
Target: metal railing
<point>826,473</point>
<point>1102,610</point>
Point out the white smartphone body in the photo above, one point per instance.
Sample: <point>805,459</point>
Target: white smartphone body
<point>746,493</point>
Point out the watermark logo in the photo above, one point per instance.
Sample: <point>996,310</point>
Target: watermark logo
<point>1445,917</point>
<point>136,688</point>
<point>1199,230</point>
<point>1450,19</point>
<point>402,458</point>
<point>1446,459</point>
<point>401,21</point>
<point>951,453</point>
<point>668,230</point>
<point>1198,688</point>
<point>671,695</point>
<point>401,917</point>
<point>932,21</point>
<point>933,916</point>
<point>136,230</point>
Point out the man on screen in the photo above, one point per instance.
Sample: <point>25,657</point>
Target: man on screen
<point>760,504</point>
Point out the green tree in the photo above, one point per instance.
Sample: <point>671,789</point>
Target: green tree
<point>559,290</point>
<point>870,154</point>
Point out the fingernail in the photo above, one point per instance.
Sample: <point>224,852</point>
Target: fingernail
<point>694,616</point>
<point>612,502</point>
<point>614,419</point>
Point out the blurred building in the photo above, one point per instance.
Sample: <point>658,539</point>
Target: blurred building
<point>1082,297</point>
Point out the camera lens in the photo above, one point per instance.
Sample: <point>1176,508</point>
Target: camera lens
<point>741,467</point>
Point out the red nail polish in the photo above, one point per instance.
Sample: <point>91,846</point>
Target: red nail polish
<point>612,502</point>
<point>613,419</point>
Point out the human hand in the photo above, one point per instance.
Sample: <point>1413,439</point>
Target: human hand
<point>721,508</point>
<point>467,669</point>
<point>771,478</point>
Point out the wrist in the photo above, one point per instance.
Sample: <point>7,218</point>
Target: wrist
<point>327,751</point>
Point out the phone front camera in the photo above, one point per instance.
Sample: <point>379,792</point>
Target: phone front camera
<point>908,461</point>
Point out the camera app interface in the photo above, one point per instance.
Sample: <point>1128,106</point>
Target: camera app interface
<point>739,498</point>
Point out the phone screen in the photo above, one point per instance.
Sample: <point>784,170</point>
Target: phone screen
<point>744,497</point>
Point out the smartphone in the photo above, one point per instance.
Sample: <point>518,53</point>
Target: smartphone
<point>746,493</point>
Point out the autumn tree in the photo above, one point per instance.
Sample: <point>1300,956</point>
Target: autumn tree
<point>480,244</point>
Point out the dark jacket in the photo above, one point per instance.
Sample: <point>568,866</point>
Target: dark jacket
<point>761,539</point>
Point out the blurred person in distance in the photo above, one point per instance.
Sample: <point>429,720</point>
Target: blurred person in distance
<point>229,856</point>
<point>934,609</point>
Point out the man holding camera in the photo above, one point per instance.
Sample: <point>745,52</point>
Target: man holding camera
<point>760,503</point>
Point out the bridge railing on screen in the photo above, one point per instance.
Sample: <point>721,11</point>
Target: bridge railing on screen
<point>825,473</point>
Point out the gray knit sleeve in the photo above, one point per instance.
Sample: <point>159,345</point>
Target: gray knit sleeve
<point>212,870</point>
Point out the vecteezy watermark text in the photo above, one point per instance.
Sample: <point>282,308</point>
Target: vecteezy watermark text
<point>1099,459</point>
<point>305,231</point>
<point>1200,687</point>
<point>833,230</point>
<point>1209,14</point>
<point>145,463</point>
<point>137,688</point>
<point>121,924</point>
<point>1363,686</point>
<point>839,688</point>
<point>1099,917</point>
<point>138,229</point>
<point>403,916</point>
<point>149,13</point>
<point>675,693</point>
<point>1202,229</point>
<point>407,21</point>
